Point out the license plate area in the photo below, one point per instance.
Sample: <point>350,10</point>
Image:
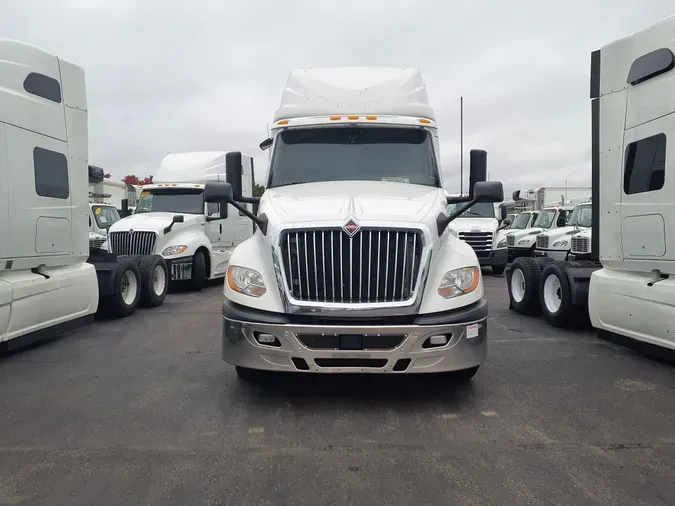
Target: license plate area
<point>350,342</point>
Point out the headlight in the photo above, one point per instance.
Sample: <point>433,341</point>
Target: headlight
<point>560,244</point>
<point>525,241</point>
<point>501,244</point>
<point>174,250</point>
<point>459,282</point>
<point>245,281</point>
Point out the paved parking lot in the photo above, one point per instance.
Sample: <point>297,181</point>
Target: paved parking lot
<point>143,411</point>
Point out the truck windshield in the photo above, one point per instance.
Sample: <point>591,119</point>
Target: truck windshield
<point>480,210</point>
<point>175,200</point>
<point>581,216</point>
<point>545,219</point>
<point>354,153</point>
<point>105,216</point>
<point>521,221</point>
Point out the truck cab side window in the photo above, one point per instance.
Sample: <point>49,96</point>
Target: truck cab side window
<point>51,174</point>
<point>645,165</point>
<point>212,209</point>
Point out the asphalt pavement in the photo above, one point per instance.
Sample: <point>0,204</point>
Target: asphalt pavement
<point>143,411</point>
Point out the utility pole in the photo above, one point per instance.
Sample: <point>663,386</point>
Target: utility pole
<point>461,145</point>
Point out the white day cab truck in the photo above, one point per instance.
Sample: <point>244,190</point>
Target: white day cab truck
<point>480,228</point>
<point>172,219</point>
<point>552,216</point>
<point>626,289</point>
<point>557,242</point>
<point>352,267</point>
<point>44,175</point>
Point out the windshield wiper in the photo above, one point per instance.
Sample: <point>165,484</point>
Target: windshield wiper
<point>473,214</point>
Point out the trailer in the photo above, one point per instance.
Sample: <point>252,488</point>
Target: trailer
<point>626,288</point>
<point>53,271</point>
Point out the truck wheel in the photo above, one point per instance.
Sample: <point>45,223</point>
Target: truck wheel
<point>198,271</point>
<point>554,295</point>
<point>250,375</point>
<point>543,261</point>
<point>498,269</point>
<point>154,280</point>
<point>127,288</point>
<point>522,281</point>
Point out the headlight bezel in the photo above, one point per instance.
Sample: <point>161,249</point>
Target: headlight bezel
<point>502,244</point>
<point>239,280</point>
<point>176,249</point>
<point>449,288</point>
<point>562,243</point>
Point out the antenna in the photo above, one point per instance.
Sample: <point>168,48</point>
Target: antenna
<point>461,145</point>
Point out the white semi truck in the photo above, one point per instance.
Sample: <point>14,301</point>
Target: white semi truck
<point>627,288</point>
<point>353,267</point>
<point>49,276</point>
<point>171,218</point>
<point>479,228</point>
<point>557,242</point>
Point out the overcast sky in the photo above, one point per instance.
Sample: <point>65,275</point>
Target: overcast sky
<point>169,75</point>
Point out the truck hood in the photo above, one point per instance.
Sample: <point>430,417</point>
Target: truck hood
<point>474,223</point>
<point>559,232</point>
<point>519,234</point>
<point>364,200</point>
<point>155,222</point>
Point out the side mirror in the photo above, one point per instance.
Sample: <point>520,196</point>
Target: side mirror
<point>218,192</point>
<point>503,212</point>
<point>488,191</point>
<point>504,224</point>
<point>177,218</point>
<point>265,144</point>
<point>477,170</point>
<point>233,169</point>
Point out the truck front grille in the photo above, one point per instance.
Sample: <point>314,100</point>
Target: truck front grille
<point>542,241</point>
<point>96,243</point>
<point>136,243</point>
<point>510,240</point>
<point>479,241</point>
<point>376,265</point>
<point>580,244</point>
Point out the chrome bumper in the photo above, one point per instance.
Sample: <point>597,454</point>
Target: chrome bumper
<point>350,348</point>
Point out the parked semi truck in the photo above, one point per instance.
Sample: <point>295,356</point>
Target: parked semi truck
<point>551,217</point>
<point>48,263</point>
<point>479,228</point>
<point>627,288</point>
<point>353,267</point>
<point>172,219</point>
<point>557,243</point>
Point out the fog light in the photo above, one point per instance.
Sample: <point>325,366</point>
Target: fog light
<point>267,339</point>
<point>438,340</point>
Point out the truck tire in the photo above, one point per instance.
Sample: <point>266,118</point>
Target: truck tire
<point>127,289</point>
<point>498,269</point>
<point>154,280</point>
<point>555,296</point>
<point>543,261</point>
<point>522,281</point>
<point>198,279</point>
